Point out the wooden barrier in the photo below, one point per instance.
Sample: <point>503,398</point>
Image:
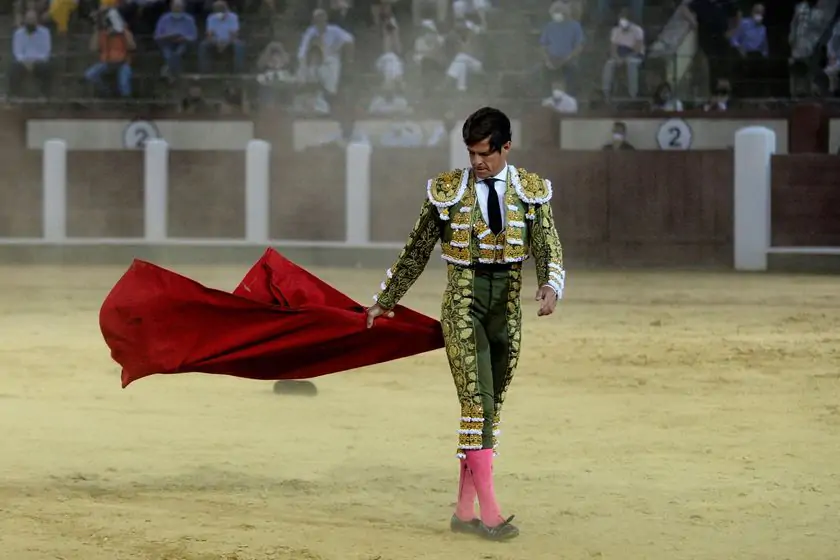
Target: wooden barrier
<point>619,208</point>
<point>805,194</point>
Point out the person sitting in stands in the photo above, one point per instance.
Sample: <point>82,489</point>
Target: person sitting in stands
<point>114,43</point>
<point>174,32</point>
<point>222,37</point>
<point>31,48</point>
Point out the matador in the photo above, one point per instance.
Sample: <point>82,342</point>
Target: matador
<point>488,219</point>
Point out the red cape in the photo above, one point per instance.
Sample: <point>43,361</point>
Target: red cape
<point>280,323</point>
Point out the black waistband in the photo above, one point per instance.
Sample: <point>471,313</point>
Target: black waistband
<point>493,267</point>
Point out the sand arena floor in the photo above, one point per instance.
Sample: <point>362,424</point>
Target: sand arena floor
<point>656,416</point>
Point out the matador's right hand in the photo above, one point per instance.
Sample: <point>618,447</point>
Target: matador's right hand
<point>375,311</point>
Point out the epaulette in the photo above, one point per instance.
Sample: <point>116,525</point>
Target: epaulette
<point>447,189</point>
<point>531,188</point>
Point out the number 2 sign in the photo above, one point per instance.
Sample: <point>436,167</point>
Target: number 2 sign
<point>137,133</point>
<point>674,134</point>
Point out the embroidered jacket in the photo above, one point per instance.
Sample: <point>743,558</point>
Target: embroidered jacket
<point>451,215</point>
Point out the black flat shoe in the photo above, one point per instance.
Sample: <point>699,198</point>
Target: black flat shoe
<point>503,532</point>
<point>471,527</point>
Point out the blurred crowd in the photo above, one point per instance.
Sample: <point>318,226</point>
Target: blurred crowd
<point>396,54</point>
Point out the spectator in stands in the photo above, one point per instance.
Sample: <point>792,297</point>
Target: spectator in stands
<point>805,31</point>
<point>428,54</point>
<point>711,18</point>
<point>467,60</point>
<point>720,101</point>
<point>114,43</point>
<point>832,69</point>
<point>435,10</point>
<point>332,42</point>
<point>274,77</point>
<point>627,48</point>
<point>619,138</point>
<point>750,39</point>
<point>31,48</point>
<point>390,63</point>
<point>390,101</point>
<point>560,101</point>
<point>222,37</point>
<point>174,32</point>
<point>314,78</point>
<point>663,99</point>
<point>562,42</point>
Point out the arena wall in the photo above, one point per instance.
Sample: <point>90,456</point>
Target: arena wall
<point>640,208</point>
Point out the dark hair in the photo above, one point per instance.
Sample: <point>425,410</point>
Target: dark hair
<point>620,126</point>
<point>487,123</point>
<point>658,94</point>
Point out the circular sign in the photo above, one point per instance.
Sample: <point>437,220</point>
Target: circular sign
<point>674,134</point>
<point>137,133</point>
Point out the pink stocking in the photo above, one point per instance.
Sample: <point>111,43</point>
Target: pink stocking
<point>480,463</point>
<point>466,494</point>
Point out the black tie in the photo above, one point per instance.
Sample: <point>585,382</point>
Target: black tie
<point>494,212</point>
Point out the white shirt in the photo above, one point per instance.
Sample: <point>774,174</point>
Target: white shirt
<point>332,41</point>
<point>483,191</point>
<point>565,103</point>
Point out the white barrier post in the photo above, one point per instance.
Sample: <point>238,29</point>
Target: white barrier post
<point>156,190</point>
<point>754,147</point>
<point>257,192</point>
<point>55,190</point>
<point>458,156</point>
<point>357,193</point>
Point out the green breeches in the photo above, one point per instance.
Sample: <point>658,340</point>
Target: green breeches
<point>481,318</point>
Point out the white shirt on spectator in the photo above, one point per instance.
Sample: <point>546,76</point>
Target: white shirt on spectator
<point>628,36</point>
<point>331,41</point>
<point>32,47</point>
<point>561,102</point>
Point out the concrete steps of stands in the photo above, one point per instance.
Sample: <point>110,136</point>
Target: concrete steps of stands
<point>512,48</point>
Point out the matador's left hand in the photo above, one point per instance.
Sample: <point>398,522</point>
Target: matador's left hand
<point>548,301</point>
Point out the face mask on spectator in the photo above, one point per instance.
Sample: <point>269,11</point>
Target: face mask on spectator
<point>558,17</point>
<point>758,17</point>
<point>557,93</point>
<point>624,23</point>
<point>618,137</point>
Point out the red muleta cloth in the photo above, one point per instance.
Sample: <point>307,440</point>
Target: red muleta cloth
<point>281,322</point>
